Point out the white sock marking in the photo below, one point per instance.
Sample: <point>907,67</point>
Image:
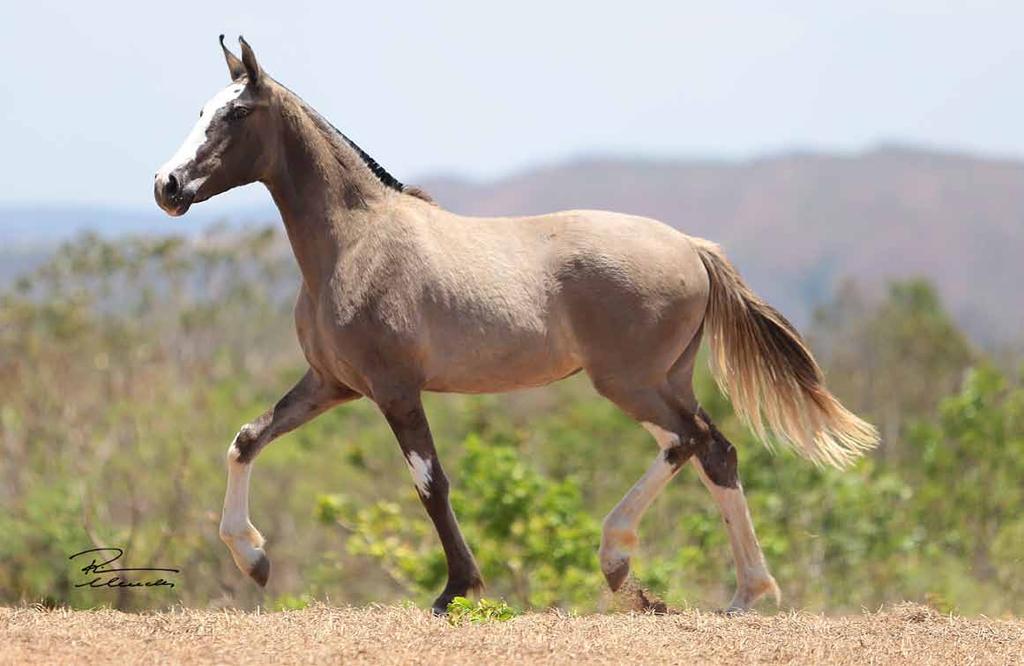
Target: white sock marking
<point>235,519</point>
<point>236,530</point>
<point>618,535</point>
<point>421,470</point>
<point>625,517</point>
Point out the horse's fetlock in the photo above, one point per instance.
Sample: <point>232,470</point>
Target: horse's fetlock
<point>619,538</point>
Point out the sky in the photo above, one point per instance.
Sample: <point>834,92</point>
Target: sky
<point>95,96</point>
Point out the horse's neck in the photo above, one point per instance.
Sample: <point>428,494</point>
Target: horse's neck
<point>326,196</point>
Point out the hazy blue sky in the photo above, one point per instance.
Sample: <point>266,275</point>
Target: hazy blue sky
<point>95,96</point>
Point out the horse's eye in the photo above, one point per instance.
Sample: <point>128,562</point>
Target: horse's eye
<point>238,112</point>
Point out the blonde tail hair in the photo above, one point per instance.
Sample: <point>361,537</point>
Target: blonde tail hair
<point>769,374</point>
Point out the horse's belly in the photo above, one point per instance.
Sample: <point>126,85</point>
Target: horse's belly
<point>499,381</point>
<point>488,366</point>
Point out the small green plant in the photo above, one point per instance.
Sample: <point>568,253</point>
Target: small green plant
<point>462,610</point>
<point>292,602</point>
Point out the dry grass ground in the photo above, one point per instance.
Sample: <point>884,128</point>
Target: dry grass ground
<point>321,634</point>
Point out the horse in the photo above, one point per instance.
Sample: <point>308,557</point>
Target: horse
<point>400,296</point>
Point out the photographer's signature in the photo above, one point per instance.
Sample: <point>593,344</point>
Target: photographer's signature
<point>111,577</point>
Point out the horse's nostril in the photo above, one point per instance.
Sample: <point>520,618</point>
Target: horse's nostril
<point>171,187</point>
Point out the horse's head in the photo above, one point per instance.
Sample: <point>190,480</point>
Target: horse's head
<point>231,144</point>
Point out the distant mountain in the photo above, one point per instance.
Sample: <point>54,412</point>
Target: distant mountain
<point>795,224</point>
<point>798,224</point>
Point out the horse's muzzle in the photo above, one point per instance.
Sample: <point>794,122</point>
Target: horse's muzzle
<point>172,193</point>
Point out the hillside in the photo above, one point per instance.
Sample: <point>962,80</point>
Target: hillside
<point>796,224</point>
<point>799,224</point>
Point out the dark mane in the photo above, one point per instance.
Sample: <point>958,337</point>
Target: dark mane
<point>380,172</point>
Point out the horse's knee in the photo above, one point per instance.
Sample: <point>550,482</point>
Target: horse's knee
<point>718,457</point>
<point>690,437</point>
<point>245,445</point>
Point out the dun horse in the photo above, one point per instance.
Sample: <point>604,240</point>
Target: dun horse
<point>399,296</point>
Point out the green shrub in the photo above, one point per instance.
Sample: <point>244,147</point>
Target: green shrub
<point>462,610</point>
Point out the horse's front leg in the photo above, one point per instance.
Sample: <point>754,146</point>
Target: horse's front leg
<point>310,397</point>
<point>409,423</point>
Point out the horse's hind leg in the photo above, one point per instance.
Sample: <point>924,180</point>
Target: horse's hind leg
<point>683,431</point>
<point>717,466</point>
<point>678,435</point>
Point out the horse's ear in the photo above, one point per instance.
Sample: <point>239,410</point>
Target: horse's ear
<point>252,68</point>
<point>235,65</point>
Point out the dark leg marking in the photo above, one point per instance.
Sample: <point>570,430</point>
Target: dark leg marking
<point>678,455</point>
<point>718,457</point>
<point>247,441</point>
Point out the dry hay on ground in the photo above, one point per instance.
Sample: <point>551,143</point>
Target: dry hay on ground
<point>322,634</point>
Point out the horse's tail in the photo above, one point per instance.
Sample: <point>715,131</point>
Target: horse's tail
<point>766,369</point>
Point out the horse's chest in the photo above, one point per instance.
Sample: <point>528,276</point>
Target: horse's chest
<point>353,341</point>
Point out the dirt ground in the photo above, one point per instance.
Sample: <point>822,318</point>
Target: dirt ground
<point>322,634</point>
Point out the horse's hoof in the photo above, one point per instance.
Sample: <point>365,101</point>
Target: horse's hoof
<point>440,605</point>
<point>475,586</point>
<point>749,594</point>
<point>617,574</point>
<point>260,572</point>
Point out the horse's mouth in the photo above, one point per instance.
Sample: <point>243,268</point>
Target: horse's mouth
<point>177,205</point>
<point>178,209</point>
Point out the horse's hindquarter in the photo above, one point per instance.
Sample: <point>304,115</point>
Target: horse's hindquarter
<point>634,291</point>
<point>518,302</point>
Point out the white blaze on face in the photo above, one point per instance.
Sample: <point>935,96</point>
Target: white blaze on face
<point>420,468</point>
<point>197,137</point>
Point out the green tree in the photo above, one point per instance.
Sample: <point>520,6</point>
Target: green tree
<point>892,361</point>
<point>971,478</point>
<point>533,538</point>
